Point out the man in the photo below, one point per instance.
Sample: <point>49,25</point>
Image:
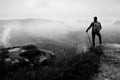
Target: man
<point>96,27</point>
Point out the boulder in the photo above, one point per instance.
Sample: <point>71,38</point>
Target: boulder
<point>29,54</point>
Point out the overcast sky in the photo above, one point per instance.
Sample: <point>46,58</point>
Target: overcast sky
<point>60,9</point>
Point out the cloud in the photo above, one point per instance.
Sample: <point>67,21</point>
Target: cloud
<point>59,9</point>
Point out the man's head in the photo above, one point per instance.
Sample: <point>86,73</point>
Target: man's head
<point>95,19</point>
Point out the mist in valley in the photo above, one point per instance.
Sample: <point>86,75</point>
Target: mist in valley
<point>24,31</point>
<point>16,32</point>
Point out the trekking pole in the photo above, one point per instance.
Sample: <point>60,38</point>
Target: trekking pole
<point>89,39</point>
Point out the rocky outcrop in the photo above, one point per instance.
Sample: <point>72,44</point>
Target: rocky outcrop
<point>29,54</point>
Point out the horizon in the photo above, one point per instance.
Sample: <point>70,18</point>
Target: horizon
<point>70,21</point>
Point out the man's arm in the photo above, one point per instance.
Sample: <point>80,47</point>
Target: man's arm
<point>89,27</point>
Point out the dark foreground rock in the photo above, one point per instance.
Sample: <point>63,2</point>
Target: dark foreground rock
<point>26,55</point>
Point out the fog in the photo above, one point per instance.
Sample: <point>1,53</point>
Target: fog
<point>15,32</point>
<point>32,28</point>
<point>29,21</point>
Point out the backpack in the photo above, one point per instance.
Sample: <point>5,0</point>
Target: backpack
<point>96,26</point>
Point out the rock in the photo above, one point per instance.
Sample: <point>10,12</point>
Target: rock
<point>27,54</point>
<point>7,60</point>
<point>28,47</point>
<point>38,56</point>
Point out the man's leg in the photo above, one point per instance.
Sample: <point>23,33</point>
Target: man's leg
<point>93,38</point>
<point>100,40</point>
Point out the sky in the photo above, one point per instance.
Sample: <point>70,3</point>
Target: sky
<point>60,9</point>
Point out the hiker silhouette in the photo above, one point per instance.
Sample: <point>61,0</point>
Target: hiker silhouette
<point>96,28</point>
